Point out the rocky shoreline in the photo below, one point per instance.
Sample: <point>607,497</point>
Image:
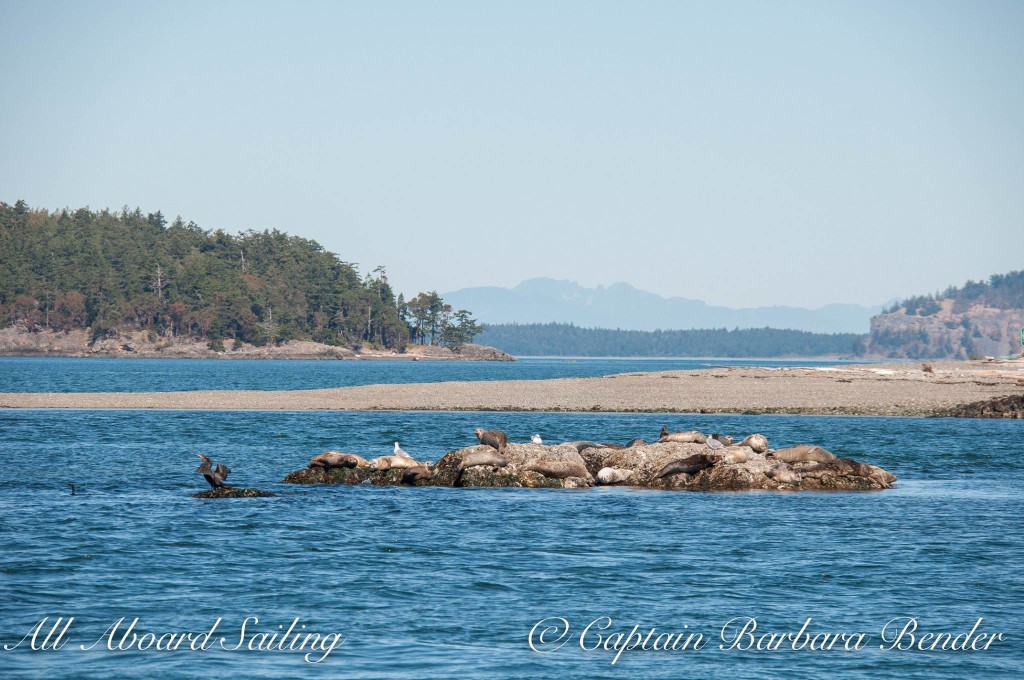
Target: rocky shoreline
<point>16,341</point>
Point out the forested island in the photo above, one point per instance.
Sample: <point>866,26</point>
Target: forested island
<point>110,272</point>
<point>562,339</point>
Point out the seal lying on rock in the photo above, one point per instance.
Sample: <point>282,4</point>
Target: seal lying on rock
<point>804,453</point>
<point>482,458</point>
<point>689,437</point>
<point>613,475</point>
<point>731,455</point>
<point>477,458</point>
<point>494,438</point>
<point>783,473</point>
<point>415,474</point>
<point>558,469</point>
<point>335,459</point>
<point>393,463</point>
<point>830,468</point>
<point>583,446</point>
<point>689,465</point>
<point>639,441</point>
<point>757,442</point>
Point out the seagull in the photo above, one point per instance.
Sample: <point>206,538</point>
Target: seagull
<point>214,475</point>
<point>713,442</point>
<point>400,453</point>
<point>535,439</point>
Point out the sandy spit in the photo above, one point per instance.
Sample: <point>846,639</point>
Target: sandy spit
<point>890,390</point>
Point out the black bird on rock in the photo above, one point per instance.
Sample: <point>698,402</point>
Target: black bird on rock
<point>214,475</point>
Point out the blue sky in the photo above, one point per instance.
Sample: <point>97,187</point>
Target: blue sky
<point>741,153</point>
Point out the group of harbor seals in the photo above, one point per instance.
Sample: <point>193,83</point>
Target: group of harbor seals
<point>610,463</point>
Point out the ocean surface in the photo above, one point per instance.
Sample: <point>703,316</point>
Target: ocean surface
<point>52,374</point>
<point>441,583</point>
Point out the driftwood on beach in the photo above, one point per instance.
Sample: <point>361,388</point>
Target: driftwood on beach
<point>665,465</point>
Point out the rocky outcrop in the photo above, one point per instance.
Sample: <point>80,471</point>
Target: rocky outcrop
<point>468,352</point>
<point>732,468</point>
<point>231,492</point>
<point>946,332</point>
<point>17,341</point>
<point>1001,407</point>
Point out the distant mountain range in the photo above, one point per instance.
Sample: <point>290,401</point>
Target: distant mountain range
<point>620,305</point>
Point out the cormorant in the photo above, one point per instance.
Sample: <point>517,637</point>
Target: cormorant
<point>214,475</point>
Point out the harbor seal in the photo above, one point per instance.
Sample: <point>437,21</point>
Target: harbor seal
<point>882,476</point>
<point>335,459</point>
<point>689,465</point>
<point>803,453</point>
<point>613,475</point>
<point>392,463</point>
<point>757,442</point>
<point>475,458</point>
<point>783,473</point>
<point>689,437</point>
<point>558,469</point>
<point>639,441</point>
<point>837,467</point>
<point>731,455</point>
<point>478,458</point>
<point>415,474</point>
<point>494,438</point>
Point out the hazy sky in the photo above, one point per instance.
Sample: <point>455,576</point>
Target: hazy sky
<point>740,153</point>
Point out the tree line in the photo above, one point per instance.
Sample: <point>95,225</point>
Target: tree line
<point>108,271</point>
<point>562,339</point>
<point>1001,291</point>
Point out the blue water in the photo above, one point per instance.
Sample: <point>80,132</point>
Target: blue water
<point>434,582</point>
<point>51,374</point>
